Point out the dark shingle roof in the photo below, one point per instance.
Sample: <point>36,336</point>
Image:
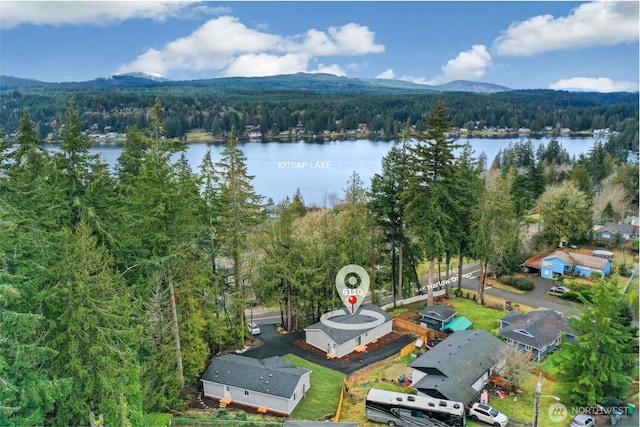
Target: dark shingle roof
<point>341,336</point>
<point>614,227</point>
<point>543,326</point>
<point>462,357</point>
<point>438,312</point>
<point>272,376</point>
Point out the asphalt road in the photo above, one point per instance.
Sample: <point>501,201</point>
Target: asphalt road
<point>538,297</point>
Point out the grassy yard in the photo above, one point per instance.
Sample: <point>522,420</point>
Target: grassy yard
<point>482,317</point>
<point>521,407</point>
<point>551,362</point>
<point>323,396</point>
<point>359,384</point>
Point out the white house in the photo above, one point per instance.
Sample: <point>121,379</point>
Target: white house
<point>270,383</point>
<point>342,333</point>
<point>459,366</point>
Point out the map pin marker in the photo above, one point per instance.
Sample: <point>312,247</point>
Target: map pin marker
<point>352,293</point>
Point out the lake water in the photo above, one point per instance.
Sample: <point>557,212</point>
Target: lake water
<point>320,169</point>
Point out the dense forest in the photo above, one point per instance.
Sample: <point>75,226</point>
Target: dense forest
<point>117,288</point>
<point>217,110</point>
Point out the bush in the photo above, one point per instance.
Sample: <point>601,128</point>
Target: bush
<point>521,283</point>
<point>159,419</point>
<point>596,275</point>
<point>575,295</point>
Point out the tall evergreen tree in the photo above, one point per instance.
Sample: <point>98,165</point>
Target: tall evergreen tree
<point>240,213</point>
<point>94,334</point>
<point>429,205</point>
<point>599,364</point>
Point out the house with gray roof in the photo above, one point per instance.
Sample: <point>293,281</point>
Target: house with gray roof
<point>607,233</point>
<point>436,316</point>
<point>537,332</point>
<point>339,333</point>
<point>459,367</point>
<point>270,383</point>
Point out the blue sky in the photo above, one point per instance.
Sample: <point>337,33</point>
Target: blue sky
<point>519,44</point>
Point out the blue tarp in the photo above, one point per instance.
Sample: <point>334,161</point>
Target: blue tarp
<point>459,324</point>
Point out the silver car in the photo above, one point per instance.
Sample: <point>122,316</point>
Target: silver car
<point>583,420</point>
<point>560,289</point>
<point>253,328</point>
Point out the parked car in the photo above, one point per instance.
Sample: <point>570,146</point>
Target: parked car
<point>583,420</point>
<point>254,328</point>
<point>560,289</point>
<point>486,414</point>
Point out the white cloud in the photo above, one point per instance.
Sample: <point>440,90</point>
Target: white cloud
<point>15,13</point>
<point>226,45</point>
<point>599,84</point>
<point>591,24</point>
<point>468,65</point>
<point>388,74</point>
<point>262,64</point>
<point>334,69</point>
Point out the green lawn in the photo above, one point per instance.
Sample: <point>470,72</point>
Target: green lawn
<point>323,396</point>
<point>482,317</point>
<point>550,363</point>
<point>521,407</point>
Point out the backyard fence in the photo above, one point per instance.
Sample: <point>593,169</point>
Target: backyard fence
<point>407,349</point>
<point>343,391</point>
<point>414,328</point>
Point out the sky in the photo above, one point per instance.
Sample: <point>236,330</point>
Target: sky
<point>519,44</point>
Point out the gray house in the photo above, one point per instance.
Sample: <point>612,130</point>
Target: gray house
<point>608,232</point>
<point>458,368</point>
<point>537,332</point>
<point>340,335</point>
<point>271,383</point>
<point>436,317</point>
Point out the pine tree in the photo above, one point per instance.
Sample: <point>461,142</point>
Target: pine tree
<point>429,206</point>
<point>599,364</point>
<point>240,213</point>
<point>95,335</point>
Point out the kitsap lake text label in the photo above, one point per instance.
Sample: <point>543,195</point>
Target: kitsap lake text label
<point>304,165</point>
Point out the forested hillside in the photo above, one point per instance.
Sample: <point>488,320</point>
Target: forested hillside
<point>287,103</point>
<point>116,288</point>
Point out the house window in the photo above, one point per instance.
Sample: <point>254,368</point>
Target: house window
<point>226,387</point>
<point>509,341</point>
<point>358,341</point>
<point>527,348</point>
<point>295,397</point>
<point>246,392</point>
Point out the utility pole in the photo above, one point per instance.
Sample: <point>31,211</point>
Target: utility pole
<point>536,401</point>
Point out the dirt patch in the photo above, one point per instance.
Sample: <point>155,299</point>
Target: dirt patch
<point>392,373</point>
<point>213,405</point>
<point>371,347</point>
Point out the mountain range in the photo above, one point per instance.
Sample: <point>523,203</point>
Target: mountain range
<point>322,83</point>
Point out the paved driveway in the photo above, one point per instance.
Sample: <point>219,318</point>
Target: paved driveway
<point>271,343</point>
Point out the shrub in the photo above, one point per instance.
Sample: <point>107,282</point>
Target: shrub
<point>596,275</point>
<point>521,283</point>
<point>575,295</point>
